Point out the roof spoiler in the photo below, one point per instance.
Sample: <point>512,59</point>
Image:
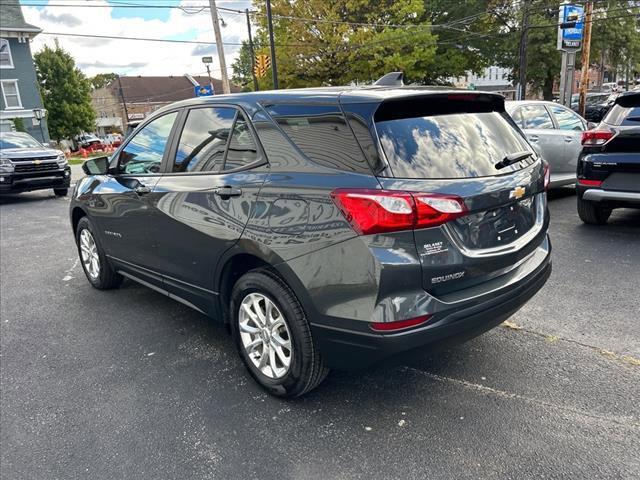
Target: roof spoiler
<point>393,79</point>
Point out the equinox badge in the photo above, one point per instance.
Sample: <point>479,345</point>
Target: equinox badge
<point>517,192</point>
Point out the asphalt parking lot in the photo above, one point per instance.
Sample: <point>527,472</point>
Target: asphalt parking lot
<point>129,384</point>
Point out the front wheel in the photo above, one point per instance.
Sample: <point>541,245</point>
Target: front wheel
<point>273,336</point>
<point>593,213</point>
<point>94,261</point>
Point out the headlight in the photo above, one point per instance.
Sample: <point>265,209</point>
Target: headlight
<point>62,160</point>
<point>5,165</point>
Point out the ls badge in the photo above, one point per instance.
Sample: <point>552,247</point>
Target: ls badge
<point>517,192</point>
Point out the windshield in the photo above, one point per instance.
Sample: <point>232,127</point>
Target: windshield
<point>460,145</point>
<point>18,140</point>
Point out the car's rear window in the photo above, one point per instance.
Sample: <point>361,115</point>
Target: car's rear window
<point>457,145</point>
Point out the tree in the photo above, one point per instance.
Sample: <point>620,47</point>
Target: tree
<point>65,92</point>
<point>102,80</point>
<point>242,75</point>
<point>351,41</point>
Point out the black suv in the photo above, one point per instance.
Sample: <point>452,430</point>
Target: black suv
<point>329,227</point>
<point>609,163</point>
<point>26,164</point>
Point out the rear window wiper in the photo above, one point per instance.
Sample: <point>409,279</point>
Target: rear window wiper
<point>513,158</point>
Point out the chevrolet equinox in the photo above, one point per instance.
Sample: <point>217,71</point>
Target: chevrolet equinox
<point>328,227</point>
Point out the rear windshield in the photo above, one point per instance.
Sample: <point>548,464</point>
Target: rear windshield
<point>459,145</point>
<point>619,115</point>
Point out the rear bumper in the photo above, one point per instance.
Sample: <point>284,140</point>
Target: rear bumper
<point>16,183</point>
<point>345,348</point>
<point>600,195</point>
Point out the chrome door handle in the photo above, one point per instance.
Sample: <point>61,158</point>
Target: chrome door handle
<point>142,190</point>
<point>568,139</point>
<point>226,192</point>
<point>533,138</point>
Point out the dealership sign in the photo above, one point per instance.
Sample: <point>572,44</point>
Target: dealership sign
<point>570,27</point>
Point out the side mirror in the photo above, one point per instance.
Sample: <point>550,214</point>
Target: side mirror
<point>591,125</point>
<point>96,166</point>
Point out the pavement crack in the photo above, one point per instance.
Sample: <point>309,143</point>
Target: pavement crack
<point>628,359</point>
<point>622,421</point>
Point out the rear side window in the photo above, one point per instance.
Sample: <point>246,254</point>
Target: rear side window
<point>567,120</point>
<point>203,140</point>
<point>322,134</point>
<point>242,149</point>
<point>459,145</point>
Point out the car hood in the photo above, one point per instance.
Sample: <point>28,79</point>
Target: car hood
<point>29,152</point>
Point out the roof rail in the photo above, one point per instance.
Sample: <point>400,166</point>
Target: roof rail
<point>393,79</point>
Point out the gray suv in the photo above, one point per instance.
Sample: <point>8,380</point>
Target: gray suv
<point>329,227</point>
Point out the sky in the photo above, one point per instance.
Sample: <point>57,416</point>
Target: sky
<point>131,57</point>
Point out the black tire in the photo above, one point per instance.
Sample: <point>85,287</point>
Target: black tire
<point>593,213</point>
<point>107,278</point>
<point>306,370</point>
<point>61,192</point>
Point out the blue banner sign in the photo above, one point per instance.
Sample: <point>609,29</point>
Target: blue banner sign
<point>203,90</point>
<point>570,37</point>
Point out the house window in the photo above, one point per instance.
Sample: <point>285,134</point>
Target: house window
<point>11,94</point>
<point>6,61</point>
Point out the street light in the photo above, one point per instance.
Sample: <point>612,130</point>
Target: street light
<point>39,114</point>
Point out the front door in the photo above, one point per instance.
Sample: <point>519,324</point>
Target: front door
<point>205,199</point>
<point>571,126</point>
<point>126,196</point>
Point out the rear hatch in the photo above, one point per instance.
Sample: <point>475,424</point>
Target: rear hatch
<point>614,147</point>
<point>454,146</point>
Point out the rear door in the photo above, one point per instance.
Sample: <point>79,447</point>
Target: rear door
<point>204,200</point>
<point>540,130</point>
<point>571,126</point>
<point>452,145</point>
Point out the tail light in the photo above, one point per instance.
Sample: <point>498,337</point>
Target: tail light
<point>378,211</point>
<point>597,137</point>
<point>399,325</point>
<point>547,176</point>
<point>590,183</point>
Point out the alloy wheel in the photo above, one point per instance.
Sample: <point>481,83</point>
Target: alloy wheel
<point>89,254</point>
<point>265,335</point>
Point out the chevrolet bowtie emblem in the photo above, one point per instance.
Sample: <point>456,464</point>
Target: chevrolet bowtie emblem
<point>517,192</point>
<point>37,162</point>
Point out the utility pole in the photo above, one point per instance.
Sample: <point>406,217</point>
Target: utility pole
<point>124,104</point>
<point>219,47</point>
<point>251,52</point>
<point>274,68</point>
<point>586,50</point>
<point>524,37</point>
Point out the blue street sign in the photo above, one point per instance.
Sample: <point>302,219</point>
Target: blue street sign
<point>203,90</point>
<point>570,38</point>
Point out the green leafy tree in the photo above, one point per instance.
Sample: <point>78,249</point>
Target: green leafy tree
<point>328,51</point>
<point>242,75</point>
<point>102,80</point>
<point>65,92</point>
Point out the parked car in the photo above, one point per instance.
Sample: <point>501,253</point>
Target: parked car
<point>596,105</point>
<point>26,164</point>
<point>88,141</point>
<point>112,139</point>
<point>331,228</point>
<point>555,131</point>
<point>609,165</point>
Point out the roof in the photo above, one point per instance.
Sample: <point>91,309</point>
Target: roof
<point>333,95</point>
<point>162,89</point>
<point>12,19</point>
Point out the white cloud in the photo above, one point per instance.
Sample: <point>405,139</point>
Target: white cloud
<point>130,57</point>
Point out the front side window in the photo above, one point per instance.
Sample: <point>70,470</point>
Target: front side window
<point>204,139</point>
<point>143,154</point>
<point>536,117</point>
<point>567,120</point>
<point>11,94</point>
<point>6,60</point>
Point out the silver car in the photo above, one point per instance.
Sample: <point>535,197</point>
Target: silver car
<point>555,131</point>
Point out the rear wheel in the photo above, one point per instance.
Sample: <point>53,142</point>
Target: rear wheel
<point>94,262</point>
<point>593,213</point>
<point>61,192</point>
<point>272,335</point>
